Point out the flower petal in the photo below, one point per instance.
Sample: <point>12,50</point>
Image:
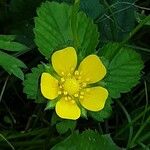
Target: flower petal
<point>94,98</point>
<point>67,109</point>
<point>92,69</point>
<point>64,61</point>
<point>49,86</point>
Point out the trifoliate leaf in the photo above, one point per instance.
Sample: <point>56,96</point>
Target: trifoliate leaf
<point>104,113</point>
<point>88,140</point>
<point>65,125</point>
<point>12,65</point>
<point>31,84</point>
<point>54,30</point>
<point>124,69</point>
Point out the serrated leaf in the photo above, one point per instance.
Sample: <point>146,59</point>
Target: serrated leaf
<point>65,125</point>
<point>124,69</point>
<point>88,140</point>
<point>104,113</point>
<point>12,65</point>
<point>53,29</point>
<point>7,37</point>
<point>31,84</point>
<point>12,46</point>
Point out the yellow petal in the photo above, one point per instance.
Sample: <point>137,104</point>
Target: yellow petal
<point>49,86</point>
<point>67,109</point>
<point>64,61</point>
<point>94,98</point>
<point>92,69</point>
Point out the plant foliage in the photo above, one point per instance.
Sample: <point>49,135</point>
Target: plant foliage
<point>88,139</point>
<point>55,28</point>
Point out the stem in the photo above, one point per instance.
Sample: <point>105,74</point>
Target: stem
<point>7,141</point>
<point>129,120</point>
<point>139,132</point>
<point>136,29</point>
<point>134,120</point>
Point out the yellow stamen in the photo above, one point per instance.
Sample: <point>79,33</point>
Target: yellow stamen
<point>63,73</point>
<point>66,98</point>
<point>69,74</point>
<point>76,95</point>
<point>62,80</point>
<point>76,73</point>
<point>84,84</point>
<point>65,93</point>
<point>60,87</point>
<point>69,98</point>
<point>81,97</point>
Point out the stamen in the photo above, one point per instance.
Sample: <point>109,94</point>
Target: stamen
<point>69,74</point>
<point>76,95</point>
<point>60,87</point>
<point>63,73</point>
<point>76,73</point>
<point>62,80</point>
<point>82,93</point>
<point>69,98</point>
<point>84,84</point>
<point>66,98</point>
<point>65,93</point>
<point>81,97</point>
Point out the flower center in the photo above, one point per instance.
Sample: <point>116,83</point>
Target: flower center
<point>71,85</point>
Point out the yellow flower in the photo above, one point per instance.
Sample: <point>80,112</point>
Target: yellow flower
<point>74,85</point>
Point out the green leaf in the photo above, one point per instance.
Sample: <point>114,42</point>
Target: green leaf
<point>124,69</point>
<point>65,125</point>
<point>88,140</point>
<point>12,46</point>
<point>31,84</point>
<point>104,113</point>
<point>140,17</point>
<point>92,8</point>
<point>117,19</point>
<point>7,37</point>
<point>12,65</point>
<point>50,104</point>
<point>53,29</point>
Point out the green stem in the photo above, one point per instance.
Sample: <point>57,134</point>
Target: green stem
<point>129,120</point>
<point>131,123</point>
<point>7,142</point>
<point>139,132</point>
<point>136,29</point>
